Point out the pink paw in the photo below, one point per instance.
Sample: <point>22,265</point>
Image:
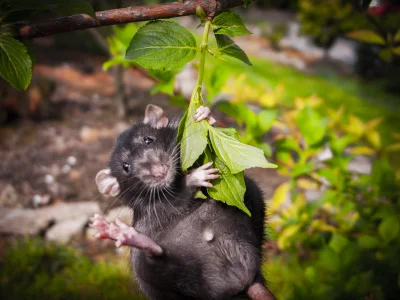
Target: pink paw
<point>200,176</point>
<point>124,235</point>
<point>204,113</point>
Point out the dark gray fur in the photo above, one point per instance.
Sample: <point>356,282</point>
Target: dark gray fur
<point>191,267</point>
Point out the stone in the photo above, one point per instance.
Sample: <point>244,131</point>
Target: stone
<point>63,231</point>
<point>32,221</point>
<point>8,196</point>
<point>360,164</point>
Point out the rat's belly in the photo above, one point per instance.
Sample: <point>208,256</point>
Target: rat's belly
<point>210,252</point>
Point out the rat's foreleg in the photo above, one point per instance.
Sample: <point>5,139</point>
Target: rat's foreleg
<point>200,176</point>
<point>124,235</point>
<point>204,113</point>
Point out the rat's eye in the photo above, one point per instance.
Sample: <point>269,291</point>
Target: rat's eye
<point>148,140</point>
<point>126,167</point>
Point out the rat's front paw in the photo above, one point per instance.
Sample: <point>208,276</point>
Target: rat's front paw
<point>123,234</point>
<point>106,230</point>
<point>204,113</point>
<point>200,176</point>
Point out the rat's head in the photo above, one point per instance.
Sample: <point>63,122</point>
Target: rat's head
<point>145,158</point>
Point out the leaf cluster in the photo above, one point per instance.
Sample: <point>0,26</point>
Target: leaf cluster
<point>165,45</point>
<point>342,228</point>
<point>16,58</point>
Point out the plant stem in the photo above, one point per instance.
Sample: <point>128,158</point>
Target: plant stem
<point>197,89</point>
<point>203,52</point>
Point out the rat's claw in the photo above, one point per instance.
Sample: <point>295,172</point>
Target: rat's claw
<point>204,113</point>
<point>200,176</point>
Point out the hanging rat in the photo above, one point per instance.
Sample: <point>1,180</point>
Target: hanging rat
<point>181,247</point>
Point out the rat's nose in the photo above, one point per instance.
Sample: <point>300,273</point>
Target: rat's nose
<point>159,171</point>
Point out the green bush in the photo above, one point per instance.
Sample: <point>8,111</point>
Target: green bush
<point>345,243</point>
<point>33,269</point>
<point>325,20</point>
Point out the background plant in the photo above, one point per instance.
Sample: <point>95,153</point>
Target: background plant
<point>16,58</point>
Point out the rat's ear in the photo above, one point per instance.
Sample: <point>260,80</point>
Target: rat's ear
<point>154,116</point>
<point>107,184</point>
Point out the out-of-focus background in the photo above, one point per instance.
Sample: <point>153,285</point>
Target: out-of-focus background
<point>322,100</point>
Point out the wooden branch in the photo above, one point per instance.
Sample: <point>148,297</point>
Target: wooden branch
<point>124,15</point>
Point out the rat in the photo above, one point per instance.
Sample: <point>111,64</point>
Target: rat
<point>181,247</point>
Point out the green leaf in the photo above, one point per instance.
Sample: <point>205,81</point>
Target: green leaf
<point>236,155</point>
<point>228,47</point>
<point>166,81</point>
<point>232,132</point>
<point>199,195</point>
<point>15,62</point>
<point>288,143</point>
<point>125,33</point>
<point>304,168</point>
<point>118,60</point>
<point>266,148</point>
<point>181,127</point>
<point>338,144</point>
<point>386,54</point>
<point>329,259</point>
<point>25,9</point>
<point>396,37</point>
<point>338,242</point>
<point>389,228</point>
<point>162,45</point>
<point>229,188</point>
<point>311,125</point>
<point>31,52</point>
<point>163,87</point>
<point>194,136</point>
<point>230,24</point>
<point>329,175</point>
<point>242,115</point>
<point>215,78</point>
<point>266,118</point>
<point>396,50</point>
<point>367,36</point>
<point>368,242</point>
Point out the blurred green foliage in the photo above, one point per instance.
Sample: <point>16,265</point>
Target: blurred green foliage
<point>343,242</point>
<point>325,20</point>
<point>33,269</point>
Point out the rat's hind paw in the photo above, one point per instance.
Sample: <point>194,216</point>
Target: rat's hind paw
<point>123,234</point>
<point>204,113</point>
<point>200,176</point>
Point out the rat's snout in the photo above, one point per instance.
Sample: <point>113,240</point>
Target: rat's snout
<point>155,168</point>
<point>159,171</point>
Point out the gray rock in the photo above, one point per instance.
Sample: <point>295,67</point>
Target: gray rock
<point>360,164</point>
<point>344,51</point>
<point>8,196</point>
<point>32,221</point>
<point>63,231</point>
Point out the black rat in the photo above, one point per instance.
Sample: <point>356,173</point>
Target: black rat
<point>181,247</point>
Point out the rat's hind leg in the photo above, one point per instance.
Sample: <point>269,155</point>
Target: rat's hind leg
<point>124,235</point>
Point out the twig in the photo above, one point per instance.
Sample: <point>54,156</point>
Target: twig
<point>124,15</point>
